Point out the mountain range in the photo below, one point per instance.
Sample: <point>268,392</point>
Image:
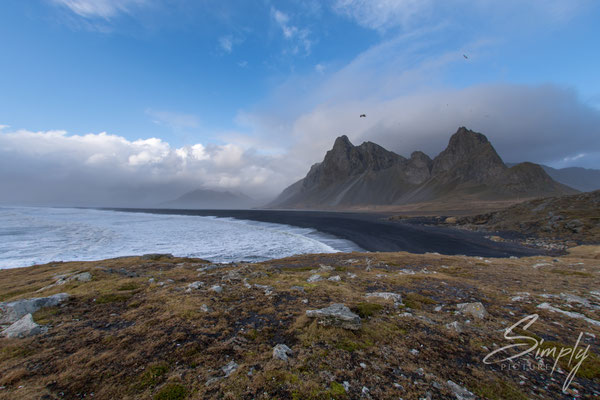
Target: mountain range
<point>469,168</point>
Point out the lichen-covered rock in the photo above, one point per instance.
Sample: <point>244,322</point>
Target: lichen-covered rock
<point>13,311</point>
<point>475,310</point>
<point>24,327</point>
<point>281,352</point>
<point>336,315</point>
<point>314,278</point>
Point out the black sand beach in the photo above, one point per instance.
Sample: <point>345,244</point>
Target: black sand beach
<point>372,232</point>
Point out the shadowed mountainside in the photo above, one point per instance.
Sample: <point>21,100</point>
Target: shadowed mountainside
<point>368,174</point>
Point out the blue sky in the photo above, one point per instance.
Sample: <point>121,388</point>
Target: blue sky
<point>247,94</point>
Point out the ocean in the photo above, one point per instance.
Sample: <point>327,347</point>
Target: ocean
<point>38,235</point>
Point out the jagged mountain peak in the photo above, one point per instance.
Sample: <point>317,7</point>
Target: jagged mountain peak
<point>369,174</point>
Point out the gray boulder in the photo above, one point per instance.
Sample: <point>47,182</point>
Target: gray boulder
<point>387,296</point>
<point>460,392</point>
<point>15,310</point>
<point>24,327</point>
<point>314,278</point>
<point>336,315</point>
<point>281,352</point>
<point>475,310</point>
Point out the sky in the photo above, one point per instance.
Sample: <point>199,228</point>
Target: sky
<point>134,102</point>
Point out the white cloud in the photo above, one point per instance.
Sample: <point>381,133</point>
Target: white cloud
<point>100,8</point>
<point>299,37</point>
<point>381,14</point>
<point>174,120</point>
<point>226,43</point>
<point>96,169</point>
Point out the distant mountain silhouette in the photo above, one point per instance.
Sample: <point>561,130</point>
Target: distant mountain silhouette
<point>583,179</point>
<point>371,175</point>
<point>210,199</point>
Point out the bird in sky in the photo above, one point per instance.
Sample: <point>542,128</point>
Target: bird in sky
<point>363,115</point>
<point>465,56</point>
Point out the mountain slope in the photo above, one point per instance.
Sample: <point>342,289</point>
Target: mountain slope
<point>371,175</point>
<point>210,199</point>
<point>584,179</point>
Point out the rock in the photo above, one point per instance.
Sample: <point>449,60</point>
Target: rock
<point>216,288</point>
<point>335,278</point>
<point>336,315</point>
<point>476,310</point>
<point>267,289</point>
<point>351,275</point>
<point>232,276</point>
<point>24,327</point>
<point>229,368</point>
<point>194,286</point>
<point>205,308</point>
<point>281,352</point>
<point>325,268</point>
<point>15,310</point>
<point>387,296</point>
<point>314,278</point>
<point>547,306</point>
<point>82,277</point>
<point>151,280</point>
<point>156,256</point>
<point>451,220</point>
<point>346,385</point>
<point>298,288</point>
<point>454,326</point>
<point>460,392</point>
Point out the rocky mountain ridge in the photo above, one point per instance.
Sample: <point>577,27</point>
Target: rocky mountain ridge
<point>368,174</point>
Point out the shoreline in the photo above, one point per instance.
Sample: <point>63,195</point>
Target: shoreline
<point>369,231</point>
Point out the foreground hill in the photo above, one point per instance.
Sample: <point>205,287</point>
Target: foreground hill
<point>210,199</point>
<point>575,217</point>
<point>468,169</point>
<point>415,326</point>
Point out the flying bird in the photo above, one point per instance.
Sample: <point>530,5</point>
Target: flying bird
<point>363,115</point>
<point>465,56</point>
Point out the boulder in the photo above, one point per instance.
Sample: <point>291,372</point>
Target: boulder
<point>314,278</point>
<point>336,315</point>
<point>15,310</point>
<point>216,288</point>
<point>475,310</point>
<point>460,392</point>
<point>281,352</point>
<point>387,296</point>
<point>24,327</point>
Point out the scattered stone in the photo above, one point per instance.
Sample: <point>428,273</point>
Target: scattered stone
<point>267,289</point>
<point>230,368</point>
<point>346,385</point>
<point>336,315</point>
<point>314,278</point>
<point>387,296</point>
<point>437,309</point>
<point>281,352</point>
<point>151,280</point>
<point>571,298</point>
<point>460,392</point>
<point>454,326</point>
<point>15,310</point>
<point>351,275</point>
<point>194,286</point>
<point>335,278</point>
<point>298,288</point>
<point>414,352</point>
<point>546,306</point>
<point>232,276</point>
<point>520,296</point>
<point>363,365</point>
<point>216,288</point>
<point>24,327</point>
<point>205,308</point>
<point>476,309</point>
<point>325,268</point>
